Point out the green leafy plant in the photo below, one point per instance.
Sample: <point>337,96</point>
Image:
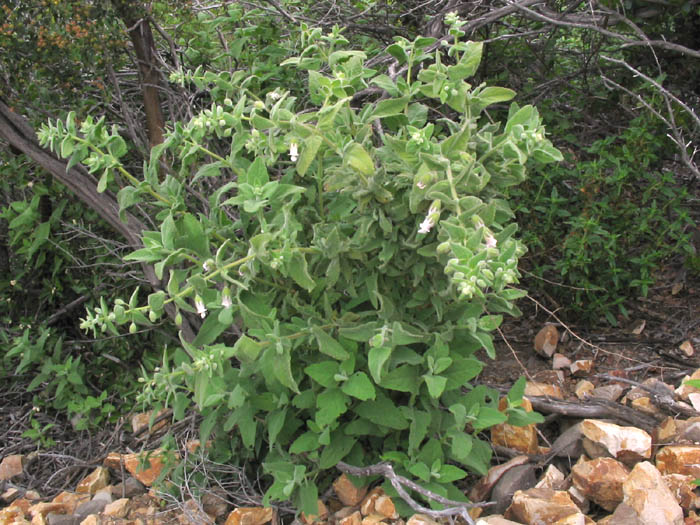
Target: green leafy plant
<point>347,260</point>
<point>604,224</point>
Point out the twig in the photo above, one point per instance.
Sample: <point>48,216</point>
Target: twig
<point>455,508</point>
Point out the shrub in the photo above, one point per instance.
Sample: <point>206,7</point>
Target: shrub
<point>347,260</point>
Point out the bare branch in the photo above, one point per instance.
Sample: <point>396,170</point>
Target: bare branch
<point>455,508</point>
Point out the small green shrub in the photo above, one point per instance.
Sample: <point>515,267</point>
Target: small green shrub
<point>347,261</point>
<point>603,225</point>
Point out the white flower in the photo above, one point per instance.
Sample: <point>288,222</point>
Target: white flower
<point>226,301</point>
<point>274,95</point>
<point>201,309</point>
<point>491,241</point>
<point>421,185</point>
<point>293,151</point>
<point>426,225</point>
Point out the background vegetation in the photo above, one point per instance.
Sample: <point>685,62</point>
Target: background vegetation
<point>615,83</point>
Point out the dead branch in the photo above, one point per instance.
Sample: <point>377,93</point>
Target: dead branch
<point>455,508</point>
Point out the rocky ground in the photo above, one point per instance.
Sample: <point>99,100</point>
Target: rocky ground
<point>620,444</point>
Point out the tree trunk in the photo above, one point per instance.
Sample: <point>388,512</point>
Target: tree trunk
<point>17,131</point>
<point>141,35</point>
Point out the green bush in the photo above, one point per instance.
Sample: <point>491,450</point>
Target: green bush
<point>604,224</point>
<point>347,260</point>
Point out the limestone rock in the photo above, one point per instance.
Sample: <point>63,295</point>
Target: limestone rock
<point>367,504</point>
<point>347,492</point>
<point>581,368</point>
<point>560,362</point>
<point>11,466</point>
<point>523,439</point>
<point>584,388</point>
<point>679,459</point>
<point>553,478</point>
<point>682,488</point>
<point>12,516</point>
<point>214,503</point>
<point>646,492</point>
<point>684,389</point>
<point>626,444</point>
<point>483,488</point>
<point>623,515</point>
<point>546,341</point>
<point>129,488</point>
<point>373,519</point>
<point>569,443</point>
<point>96,480</point>
<point>384,506</point>
<point>600,480</point>
<point>533,388</point>
<point>118,508</point>
<point>542,506</point>
<point>421,519</point>
<point>153,463</point>
<point>495,519</point>
<point>249,516</point>
<point>70,501</point>
<point>519,478</point>
<point>353,519</point>
<point>141,421</point>
<point>611,392</point>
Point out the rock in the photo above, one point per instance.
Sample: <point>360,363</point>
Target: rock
<point>93,519</point>
<point>11,466</point>
<point>682,488</point>
<point>666,431</point>
<point>98,479</point>
<point>117,509</point>
<point>70,501</point>
<point>694,399</point>
<point>347,492</point>
<point>10,495</point>
<point>483,488</point>
<point>63,519</point>
<point>679,459</point>
<point>646,492</point>
<point>495,519</point>
<point>611,392</point>
<point>43,508</point>
<point>600,480</point>
<point>645,405</point>
<point>367,504</point>
<point>560,362</point>
<point>249,516</point>
<point>421,519</point>
<point>569,443</point>
<point>578,497</point>
<point>385,507</point>
<point>689,431</point>
<point>623,515</point>
<point>626,444</point>
<point>542,506</point>
<point>684,389</point>
<point>129,488</point>
<point>518,478</point>
<point>353,519</point>
<point>12,516</point>
<point>533,388</point>
<point>581,368</point>
<point>584,388</point>
<point>141,421</point>
<point>153,463</point>
<point>553,478</point>
<point>523,439</point>
<point>373,519</point>
<point>90,507</point>
<point>546,341</point>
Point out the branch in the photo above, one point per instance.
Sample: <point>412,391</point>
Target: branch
<point>455,508</point>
